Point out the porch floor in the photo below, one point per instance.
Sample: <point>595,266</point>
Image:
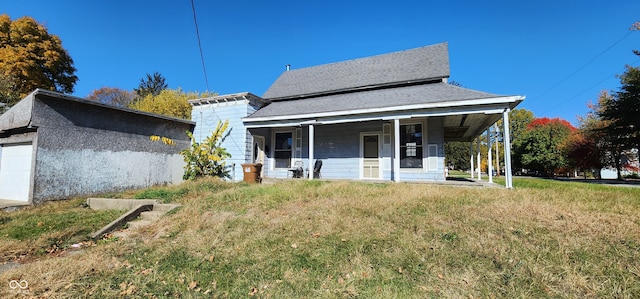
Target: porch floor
<point>448,182</point>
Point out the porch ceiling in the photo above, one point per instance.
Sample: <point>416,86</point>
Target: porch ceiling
<point>461,122</point>
<point>466,127</point>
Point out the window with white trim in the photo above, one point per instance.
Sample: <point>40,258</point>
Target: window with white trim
<point>298,146</point>
<point>411,146</point>
<point>282,149</point>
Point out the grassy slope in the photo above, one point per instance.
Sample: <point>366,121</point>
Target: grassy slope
<point>344,239</point>
<point>34,232</point>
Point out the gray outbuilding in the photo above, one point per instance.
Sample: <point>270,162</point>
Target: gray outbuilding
<point>55,146</point>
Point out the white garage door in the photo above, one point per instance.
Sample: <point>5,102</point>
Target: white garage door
<point>15,171</point>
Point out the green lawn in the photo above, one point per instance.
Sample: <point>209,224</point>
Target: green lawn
<point>317,239</point>
<point>34,232</point>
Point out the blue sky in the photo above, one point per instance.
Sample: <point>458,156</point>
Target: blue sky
<point>559,54</point>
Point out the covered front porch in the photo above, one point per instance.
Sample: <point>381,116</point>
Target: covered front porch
<point>401,145</point>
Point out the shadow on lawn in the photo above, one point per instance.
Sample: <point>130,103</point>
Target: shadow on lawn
<point>627,182</point>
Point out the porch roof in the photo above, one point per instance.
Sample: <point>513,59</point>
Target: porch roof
<point>467,112</point>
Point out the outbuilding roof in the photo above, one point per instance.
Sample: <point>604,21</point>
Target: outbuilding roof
<point>21,114</point>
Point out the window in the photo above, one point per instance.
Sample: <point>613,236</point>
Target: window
<point>282,149</point>
<point>411,146</point>
<point>386,134</point>
<point>298,147</point>
<point>370,150</point>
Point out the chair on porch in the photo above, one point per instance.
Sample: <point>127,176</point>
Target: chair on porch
<point>297,171</point>
<point>316,169</point>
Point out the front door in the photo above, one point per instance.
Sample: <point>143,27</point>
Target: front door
<point>370,150</point>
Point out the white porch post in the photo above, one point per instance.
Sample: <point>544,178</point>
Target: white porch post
<point>311,139</point>
<point>497,151</point>
<point>478,160</point>
<point>489,163</point>
<point>396,150</point>
<point>471,158</point>
<point>507,149</point>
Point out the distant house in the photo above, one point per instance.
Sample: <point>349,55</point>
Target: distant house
<point>383,117</point>
<point>54,146</point>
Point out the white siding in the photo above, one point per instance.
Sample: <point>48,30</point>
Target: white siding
<point>238,142</point>
<point>338,146</point>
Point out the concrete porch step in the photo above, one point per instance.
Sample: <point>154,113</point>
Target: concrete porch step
<point>152,215</point>
<point>165,207</point>
<point>139,223</point>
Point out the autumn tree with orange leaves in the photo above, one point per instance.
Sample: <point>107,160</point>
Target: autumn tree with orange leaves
<point>583,152</point>
<point>31,57</point>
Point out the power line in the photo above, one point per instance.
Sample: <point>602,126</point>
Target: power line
<point>561,103</point>
<point>204,69</point>
<point>586,64</point>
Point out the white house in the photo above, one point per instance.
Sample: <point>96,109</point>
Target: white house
<point>383,117</point>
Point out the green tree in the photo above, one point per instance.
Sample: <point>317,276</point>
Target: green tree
<point>540,147</point>
<point>153,84</point>
<point>457,155</point>
<point>582,152</point>
<point>623,109</point>
<point>207,158</point>
<point>32,58</point>
<point>599,149</point>
<point>519,119</point>
<point>112,96</point>
<point>615,118</point>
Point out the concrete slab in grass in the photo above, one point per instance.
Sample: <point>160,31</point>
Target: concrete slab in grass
<point>117,203</point>
<point>122,220</point>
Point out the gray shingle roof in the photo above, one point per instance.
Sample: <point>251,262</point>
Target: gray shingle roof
<point>419,64</point>
<point>371,99</point>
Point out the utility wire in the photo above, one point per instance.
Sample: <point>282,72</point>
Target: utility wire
<point>561,103</point>
<point>206,80</point>
<point>586,64</point>
<point>195,21</point>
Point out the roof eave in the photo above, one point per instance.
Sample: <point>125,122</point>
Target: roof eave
<point>403,83</point>
<point>512,102</point>
<point>227,98</point>
<point>128,110</point>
